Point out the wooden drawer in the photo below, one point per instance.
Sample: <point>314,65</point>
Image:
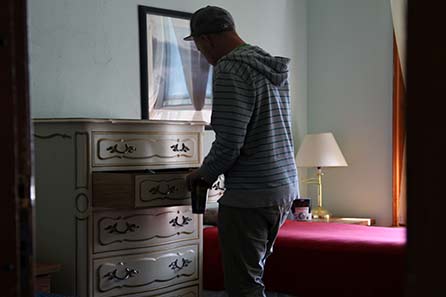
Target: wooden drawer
<point>135,190</point>
<point>120,230</point>
<point>140,190</point>
<point>146,272</point>
<point>153,149</point>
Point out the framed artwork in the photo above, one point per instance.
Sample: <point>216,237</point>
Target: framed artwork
<point>176,79</point>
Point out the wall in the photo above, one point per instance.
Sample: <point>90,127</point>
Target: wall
<point>85,54</point>
<point>350,94</point>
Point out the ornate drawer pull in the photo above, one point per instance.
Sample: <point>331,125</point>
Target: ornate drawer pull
<point>114,228</point>
<point>175,222</point>
<point>170,190</point>
<point>128,149</point>
<point>217,186</point>
<point>128,274</point>
<point>174,265</point>
<point>183,148</point>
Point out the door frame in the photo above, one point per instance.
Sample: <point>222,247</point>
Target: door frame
<point>16,212</point>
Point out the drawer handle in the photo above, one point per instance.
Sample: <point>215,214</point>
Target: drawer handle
<point>218,187</point>
<point>170,190</point>
<point>174,265</point>
<point>128,274</point>
<point>128,149</point>
<point>183,148</point>
<point>114,228</point>
<point>175,222</point>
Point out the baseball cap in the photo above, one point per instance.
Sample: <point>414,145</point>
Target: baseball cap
<point>210,19</point>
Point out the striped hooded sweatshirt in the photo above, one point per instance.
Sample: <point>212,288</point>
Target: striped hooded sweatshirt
<point>253,144</point>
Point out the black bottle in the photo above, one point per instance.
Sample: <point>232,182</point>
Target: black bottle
<point>199,196</point>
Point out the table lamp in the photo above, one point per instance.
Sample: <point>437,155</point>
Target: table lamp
<point>319,150</point>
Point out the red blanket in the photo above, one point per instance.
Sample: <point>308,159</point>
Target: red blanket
<point>324,259</point>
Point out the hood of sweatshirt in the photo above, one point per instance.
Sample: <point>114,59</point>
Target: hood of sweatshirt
<point>275,69</point>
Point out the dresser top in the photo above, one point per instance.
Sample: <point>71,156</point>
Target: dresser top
<point>117,121</point>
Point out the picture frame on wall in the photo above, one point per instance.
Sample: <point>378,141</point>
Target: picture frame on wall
<point>176,79</point>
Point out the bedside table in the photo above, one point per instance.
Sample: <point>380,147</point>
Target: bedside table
<point>43,275</point>
<point>347,220</point>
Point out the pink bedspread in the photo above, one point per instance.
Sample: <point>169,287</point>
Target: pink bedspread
<point>320,259</point>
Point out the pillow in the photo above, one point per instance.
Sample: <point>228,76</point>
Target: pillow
<point>210,216</point>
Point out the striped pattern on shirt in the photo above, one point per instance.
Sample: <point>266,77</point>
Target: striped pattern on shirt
<point>251,119</point>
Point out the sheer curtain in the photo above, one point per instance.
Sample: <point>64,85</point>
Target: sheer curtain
<point>196,71</point>
<point>399,11</point>
<point>178,73</point>
<point>157,64</point>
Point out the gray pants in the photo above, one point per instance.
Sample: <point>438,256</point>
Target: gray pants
<point>247,237</point>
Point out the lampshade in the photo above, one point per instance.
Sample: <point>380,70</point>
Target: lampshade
<point>320,150</point>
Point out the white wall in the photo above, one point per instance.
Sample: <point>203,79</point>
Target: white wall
<point>350,94</point>
<point>84,54</point>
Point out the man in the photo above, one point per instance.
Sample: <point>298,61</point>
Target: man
<point>253,147</point>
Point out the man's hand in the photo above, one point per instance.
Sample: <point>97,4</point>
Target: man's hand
<point>191,179</point>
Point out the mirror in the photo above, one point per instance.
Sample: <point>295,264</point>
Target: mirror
<point>176,79</point>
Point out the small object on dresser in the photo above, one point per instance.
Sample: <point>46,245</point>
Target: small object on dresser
<point>301,209</point>
<point>199,196</point>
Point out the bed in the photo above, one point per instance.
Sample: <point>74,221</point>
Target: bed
<point>323,259</point>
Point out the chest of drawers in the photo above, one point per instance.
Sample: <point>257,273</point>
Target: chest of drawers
<point>112,206</point>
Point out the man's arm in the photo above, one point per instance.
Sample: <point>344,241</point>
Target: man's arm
<point>232,107</point>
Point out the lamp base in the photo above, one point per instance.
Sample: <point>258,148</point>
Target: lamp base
<point>320,213</point>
